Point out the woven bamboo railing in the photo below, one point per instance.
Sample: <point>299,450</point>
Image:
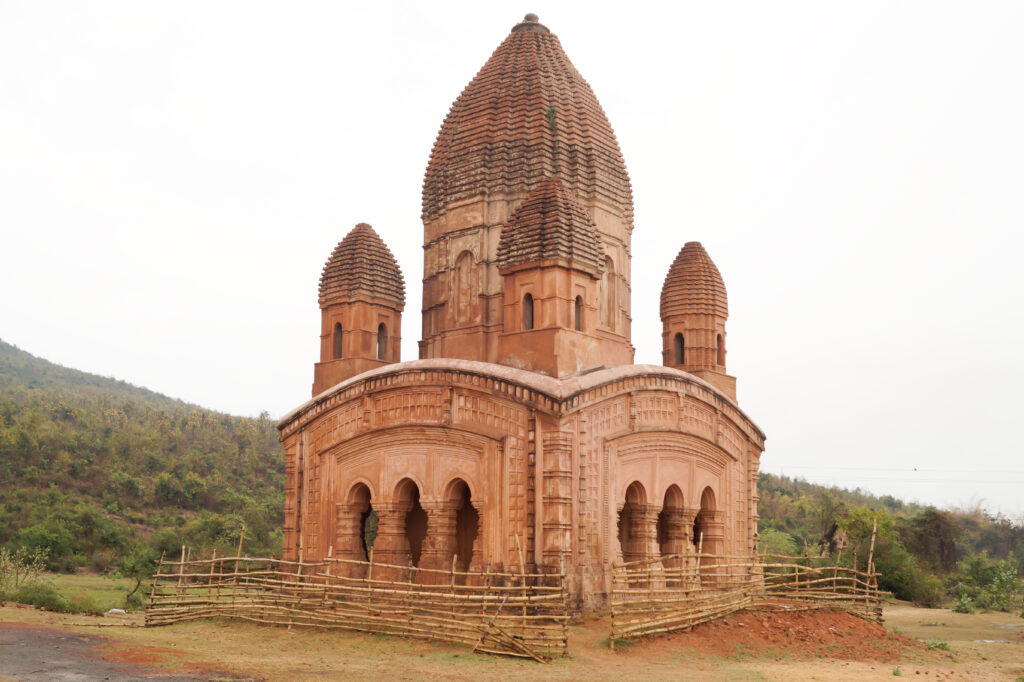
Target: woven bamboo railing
<point>514,614</point>
<point>680,591</point>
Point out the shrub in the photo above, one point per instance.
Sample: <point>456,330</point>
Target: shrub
<point>985,584</point>
<point>20,567</point>
<point>42,595</point>
<point>964,604</point>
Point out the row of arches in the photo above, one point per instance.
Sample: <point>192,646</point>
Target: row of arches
<point>408,530</point>
<point>651,531</point>
<point>679,350</point>
<point>339,345</point>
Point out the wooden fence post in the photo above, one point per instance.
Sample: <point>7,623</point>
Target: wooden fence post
<point>522,573</point>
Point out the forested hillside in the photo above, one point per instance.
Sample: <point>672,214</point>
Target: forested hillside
<point>101,474</point>
<point>93,470</point>
<point>927,555</point>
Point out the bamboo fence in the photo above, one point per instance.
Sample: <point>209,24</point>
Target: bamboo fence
<point>514,614</point>
<point>680,591</point>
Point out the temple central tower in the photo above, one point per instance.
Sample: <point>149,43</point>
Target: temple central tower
<point>528,115</point>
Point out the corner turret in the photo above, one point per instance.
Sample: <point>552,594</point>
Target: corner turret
<point>694,308</point>
<point>362,295</point>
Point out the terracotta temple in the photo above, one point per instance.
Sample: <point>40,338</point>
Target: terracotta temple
<point>524,426</point>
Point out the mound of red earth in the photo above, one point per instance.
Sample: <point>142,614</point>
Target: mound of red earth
<point>789,634</point>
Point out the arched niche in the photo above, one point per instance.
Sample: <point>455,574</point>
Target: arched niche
<point>382,341</point>
<point>338,339</point>
<point>527,312</point>
<point>466,531</point>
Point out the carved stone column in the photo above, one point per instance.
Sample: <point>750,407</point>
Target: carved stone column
<point>711,526</point>
<point>439,545</point>
<point>678,533</point>
<point>391,545</point>
<point>644,533</point>
<point>557,519</point>
<point>348,538</point>
<point>477,563</point>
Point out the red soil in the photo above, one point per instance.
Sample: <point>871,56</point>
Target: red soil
<point>781,634</point>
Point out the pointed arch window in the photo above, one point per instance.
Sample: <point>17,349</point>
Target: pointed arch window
<point>720,351</point>
<point>382,341</point>
<point>528,312</point>
<point>679,349</point>
<point>578,314</point>
<point>338,348</point>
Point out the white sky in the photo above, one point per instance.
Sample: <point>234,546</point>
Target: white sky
<point>174,175</point>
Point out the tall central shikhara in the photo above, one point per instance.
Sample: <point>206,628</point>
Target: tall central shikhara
<point>524,426</point>
<point>526,116</point>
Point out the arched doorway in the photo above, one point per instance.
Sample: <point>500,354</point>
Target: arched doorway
<point>467,524</point>
<point>701,522</point>
<point>630,532</point>
<point>355,529</point>
<point>415,522</point>
<point>708,534</point>
<point>672,533</point>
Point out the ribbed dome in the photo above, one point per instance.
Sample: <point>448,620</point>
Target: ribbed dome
<point>551,224</point>
<point>527,114</point>
<point>693,285</point>
<point>362,263</point>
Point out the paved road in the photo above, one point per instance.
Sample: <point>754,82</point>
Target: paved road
<point>37,652</point>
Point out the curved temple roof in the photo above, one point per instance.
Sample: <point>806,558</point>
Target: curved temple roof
<point>527,114</point>
<point>361,262</point>
<point>693,285</point>
<point>551,224</point>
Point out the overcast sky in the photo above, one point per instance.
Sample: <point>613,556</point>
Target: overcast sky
<point>174,175</point>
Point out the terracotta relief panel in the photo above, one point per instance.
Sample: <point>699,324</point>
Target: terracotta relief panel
<point>698,419</point>
<point>403,407</point>
<point>657,409</point>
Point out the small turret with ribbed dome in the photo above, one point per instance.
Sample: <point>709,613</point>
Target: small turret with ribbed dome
<point>362,295</point>
<point>694,309</point>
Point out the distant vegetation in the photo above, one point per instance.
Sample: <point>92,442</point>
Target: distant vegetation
<point>926,555</point>
<point>100,475</point>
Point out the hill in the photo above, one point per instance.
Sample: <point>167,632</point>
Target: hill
<point>102,474</point>
<point>94,469</point>
<point>926,555</point>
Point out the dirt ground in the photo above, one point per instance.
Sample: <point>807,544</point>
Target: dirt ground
<point>749,646</point>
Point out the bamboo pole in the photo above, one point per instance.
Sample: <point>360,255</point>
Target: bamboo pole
<point>871,561</point>
<point>522,572</point>
<point>455,558</point>
<point>491,622</point>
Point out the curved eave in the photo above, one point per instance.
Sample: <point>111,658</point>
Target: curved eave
<point>558,391</point>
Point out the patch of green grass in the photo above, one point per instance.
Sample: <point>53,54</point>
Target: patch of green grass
<point>897,672</point>
<point>619,643</point>
<point>97,593</point>
<point>936,644</point>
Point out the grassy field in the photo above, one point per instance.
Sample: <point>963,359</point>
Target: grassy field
<point>105,592</point>
<point>260,652</point>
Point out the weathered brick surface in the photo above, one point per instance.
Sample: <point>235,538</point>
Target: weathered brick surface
<point>525,432</point>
